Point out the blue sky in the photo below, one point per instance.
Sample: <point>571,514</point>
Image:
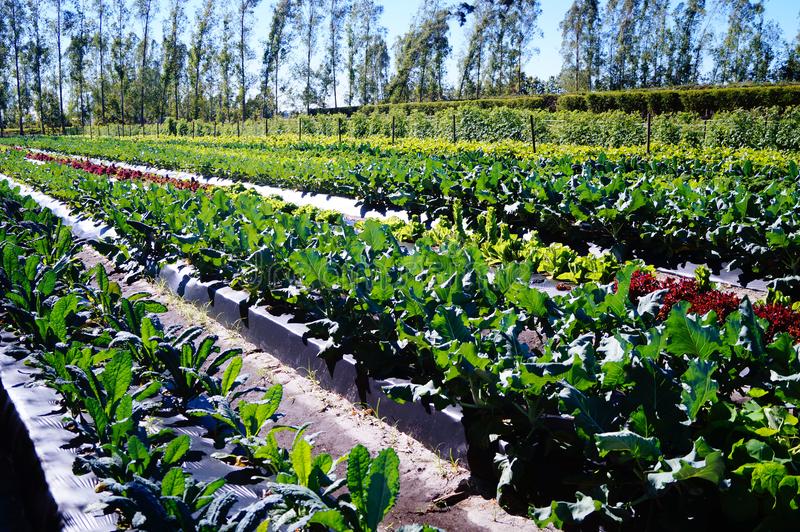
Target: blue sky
<point>546,62</point>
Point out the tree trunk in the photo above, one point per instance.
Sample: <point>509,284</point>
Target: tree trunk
<point>102,75</point>
<point>15,29</point>
<point>241,65</point>
<point>60,82</point>
<point>39,90</point>
<point>308,59</point>
<point>333,54</point>
<point>277,68</point>
<point>577,55</point>
<point>144,65</point>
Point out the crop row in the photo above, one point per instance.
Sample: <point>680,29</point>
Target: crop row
<point>494,239</point>
<point>123,378</point>
<point>650,414</point>
<point>637,210</point>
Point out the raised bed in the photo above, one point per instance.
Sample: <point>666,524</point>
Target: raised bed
<point>441,430</point>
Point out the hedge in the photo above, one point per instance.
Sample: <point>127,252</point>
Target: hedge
<point>704,101</point>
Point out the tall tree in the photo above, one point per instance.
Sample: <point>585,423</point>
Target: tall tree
<point>144,9</point>
<point>746,51</point>
<point>654,46</point>
<point>580,43</point>
<point>420,56</point>
<point>622,19</point>
<point>58,28</point>
<point>120,48</point>
<point>523,15</point>
<point>307,21</point>
<point>245,13</point>
<point>172,50</point>
<point>277,45</point>
<point>100,44</point>
<point>352,47</point>
<point>5,38</point>
<point>471,67</point>
<point>369,39</point>
<point>687,42</point>
<point>225,60</point>
<point>199,49</point>
<point>38,56</point>
<point>14,13</point>
<point>77,53</point>
<point>790,69</point>
<point>338,12</point>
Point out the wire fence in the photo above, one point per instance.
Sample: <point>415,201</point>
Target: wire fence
<point>630,131</point>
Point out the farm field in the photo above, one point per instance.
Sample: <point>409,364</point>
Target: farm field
<point>521,289</point>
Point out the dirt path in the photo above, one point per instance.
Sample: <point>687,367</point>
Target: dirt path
<point>425,478</point>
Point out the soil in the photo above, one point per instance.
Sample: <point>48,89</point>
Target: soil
<point>433,489</point>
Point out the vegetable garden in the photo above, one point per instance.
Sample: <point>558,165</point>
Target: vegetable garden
<point>619,398</point>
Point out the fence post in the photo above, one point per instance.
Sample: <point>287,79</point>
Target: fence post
<point>705,127</point>
<point>339,121</point>
<point>454,128</point>
<point>648,132</point>
<point>299,128</point>
<point>533,134</point>
<point>238,129</point>
<point>393,129</point>
<point>266,125</point>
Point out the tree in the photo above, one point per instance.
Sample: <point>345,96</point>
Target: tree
<point>687,43</point>
<point>199,50</point>
<point>352,47</point>
<point>37,56</point>
<point>245,12</point>
<point>4,54</point>
<point>120,52</point>
<point>173,53</point>
<point>523,15</point>
<point>580,43</point>
<point>472,63</point>
<point>622,19</point>
<point>277,45</point>
<point>367,50</point>
<point>77,52</point>
<point>58,28</point>
<point>653,43</point>
<point>338,12</point>
<point>790,69</point>
<point>14,13</point>
<point>225,60</point>
<point>307,21</point>
<point>100,44</point>
<point>420,56</point>
<point>747,50</point>
<point>144,9</point>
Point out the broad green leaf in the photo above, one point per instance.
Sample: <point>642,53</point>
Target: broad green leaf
<point>117,376</point>
<point>560,513</point>
<point>686,336</point>
<point>176,450</point>
<point>231,372</point>
<point>698,387</point>
<point>174,483</point>
<point>301,460</point>
<point>62,310</point>
<point>625,441</point>
<point>766,477</point>
<point>358,461</point>
<point>383,486</point>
